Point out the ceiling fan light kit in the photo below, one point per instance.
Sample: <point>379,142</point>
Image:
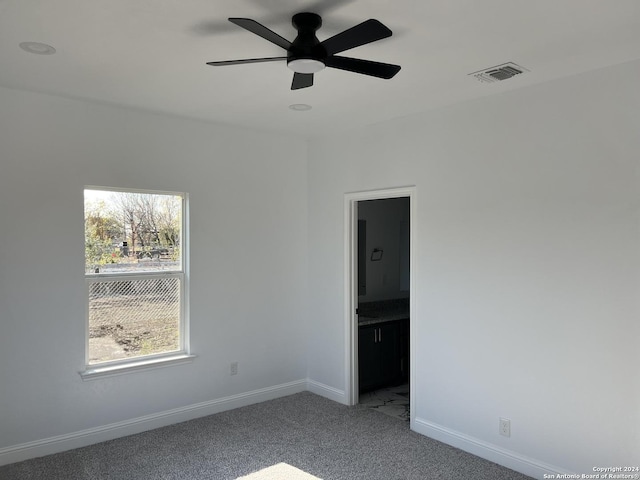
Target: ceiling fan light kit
<point>305,65</point>
<point>306,55</point>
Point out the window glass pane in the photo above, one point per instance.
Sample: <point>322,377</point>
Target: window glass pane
<point>133,317</point>
<point>131,232</point>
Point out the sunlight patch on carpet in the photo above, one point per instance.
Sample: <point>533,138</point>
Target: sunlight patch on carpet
<point>280,471</point>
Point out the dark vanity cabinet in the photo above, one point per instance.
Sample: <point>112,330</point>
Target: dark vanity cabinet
<point>383,354</point>
<point>404,349</point>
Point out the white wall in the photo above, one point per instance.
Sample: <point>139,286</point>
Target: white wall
<point>527,267</point>
<point>248,242</point>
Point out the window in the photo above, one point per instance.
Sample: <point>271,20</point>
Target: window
<point>135,278</point>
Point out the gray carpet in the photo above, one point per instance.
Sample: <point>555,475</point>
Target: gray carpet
<point>308,432</point>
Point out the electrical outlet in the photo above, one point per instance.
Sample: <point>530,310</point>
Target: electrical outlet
<point>234,368</point>
<point>505,427</point>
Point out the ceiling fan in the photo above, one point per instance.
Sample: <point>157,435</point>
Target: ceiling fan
<point>306,55</point>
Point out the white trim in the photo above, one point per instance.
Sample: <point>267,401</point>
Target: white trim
<point>169,193</point>
<point>114,277</point>
<point>351,285</point>
<point>351,297</point>
<point>328,392</point>
<point>82,438</point>
<point>507,458</point>
<point>182,355</point>
<point>93,372</point>
<point>185,301</point>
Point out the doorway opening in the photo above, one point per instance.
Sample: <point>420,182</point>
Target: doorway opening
<point>380,299</point>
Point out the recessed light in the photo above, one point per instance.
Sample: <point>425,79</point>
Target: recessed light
<point>300,107</point>
<point>37,48</point>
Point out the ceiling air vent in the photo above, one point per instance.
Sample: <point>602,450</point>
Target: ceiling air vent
<point>499,72</point>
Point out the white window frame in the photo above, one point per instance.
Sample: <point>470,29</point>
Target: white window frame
<point>145,362</point>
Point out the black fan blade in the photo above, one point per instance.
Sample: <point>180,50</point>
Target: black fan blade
<point>366,67</point>
<point>301,80</point>
<point>261,31</point>
<point>247,60</point>
<point>366,32</point>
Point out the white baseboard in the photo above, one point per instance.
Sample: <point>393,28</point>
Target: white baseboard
<point>488,451</point>
<point>327,391</point>
<point>60,443</point>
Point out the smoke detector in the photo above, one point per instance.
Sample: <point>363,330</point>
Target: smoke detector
<point>499,72</point>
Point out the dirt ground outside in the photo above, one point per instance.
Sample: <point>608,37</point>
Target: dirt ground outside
<point>129,324</point>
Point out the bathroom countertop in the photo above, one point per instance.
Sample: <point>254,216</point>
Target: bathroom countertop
<point>385,311</point>
<point>363,320</point>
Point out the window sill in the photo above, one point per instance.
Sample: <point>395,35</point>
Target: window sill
<point>95,372</point>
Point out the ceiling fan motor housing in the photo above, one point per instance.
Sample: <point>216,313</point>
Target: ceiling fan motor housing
<point>306,54</point>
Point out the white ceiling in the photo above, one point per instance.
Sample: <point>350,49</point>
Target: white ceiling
<point>152,55</point>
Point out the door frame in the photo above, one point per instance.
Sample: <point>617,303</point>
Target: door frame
<point>351,284</point>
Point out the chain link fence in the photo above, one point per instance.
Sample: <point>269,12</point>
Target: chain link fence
<point>133,317</point>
